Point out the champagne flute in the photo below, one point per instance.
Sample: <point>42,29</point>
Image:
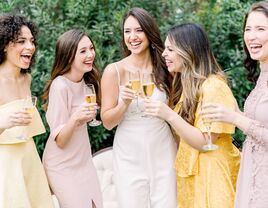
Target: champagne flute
<point>90,97</point>
<point>209,146</point>
<point>28,105</point>
<point>134,79</point>
<point>147,84</point>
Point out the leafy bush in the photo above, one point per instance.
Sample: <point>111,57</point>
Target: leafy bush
<point>102,20</point>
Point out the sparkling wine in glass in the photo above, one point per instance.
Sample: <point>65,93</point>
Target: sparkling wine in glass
<point>209,146</point>
<point>147,84</point>
<point>135,82</point>
<point>28,105</point>
<point>90,97</point>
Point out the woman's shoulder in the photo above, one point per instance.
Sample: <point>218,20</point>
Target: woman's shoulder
<point>115,68</point>
<point>118,65</point>
<point>215,81</point>
<point>216,85</point>
<point>59,83</point>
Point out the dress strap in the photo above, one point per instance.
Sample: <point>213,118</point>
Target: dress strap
<point>118,74</point>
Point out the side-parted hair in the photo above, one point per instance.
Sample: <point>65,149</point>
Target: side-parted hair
<point>249,63</point>
<point>192,45</point>
<point>149,26</point>
<point>66,48</point>
<point>10,30</point>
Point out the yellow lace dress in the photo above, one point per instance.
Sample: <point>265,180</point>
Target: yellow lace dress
<point>23,182</point>
<point>207,179</point>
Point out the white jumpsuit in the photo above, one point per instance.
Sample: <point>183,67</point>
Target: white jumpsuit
<point>144,152</point>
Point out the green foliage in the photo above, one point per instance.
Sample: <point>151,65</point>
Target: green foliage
<point>102,20</point>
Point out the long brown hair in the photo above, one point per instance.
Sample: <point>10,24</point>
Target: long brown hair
<point>66,48</point>
<point>149,26</point>
<point>191,43</point>
<point>249,63</point>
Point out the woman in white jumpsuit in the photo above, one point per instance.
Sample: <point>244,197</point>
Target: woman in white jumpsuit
<point>144,149</point>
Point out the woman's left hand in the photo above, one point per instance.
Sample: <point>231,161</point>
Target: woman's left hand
<point>156,108</point>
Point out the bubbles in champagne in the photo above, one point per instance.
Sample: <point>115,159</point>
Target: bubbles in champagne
<point>91,98</point>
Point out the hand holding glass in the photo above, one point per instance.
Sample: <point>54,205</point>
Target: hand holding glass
<point>90,97</point>
<point>209,146</point>
<point>28,105</point>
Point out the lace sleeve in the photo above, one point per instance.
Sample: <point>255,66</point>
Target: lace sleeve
<point>257,132</point>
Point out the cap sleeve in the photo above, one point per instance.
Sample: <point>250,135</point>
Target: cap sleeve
<point>215,90</point>
<point>57,112</point>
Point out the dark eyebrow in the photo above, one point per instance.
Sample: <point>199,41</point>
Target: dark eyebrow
<point>127,28</point>
<point>23,38</point>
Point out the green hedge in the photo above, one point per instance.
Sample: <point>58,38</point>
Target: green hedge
<point>102,20</point>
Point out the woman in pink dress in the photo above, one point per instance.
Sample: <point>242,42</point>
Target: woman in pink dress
<point>67,155</point>
<point>252,184</point>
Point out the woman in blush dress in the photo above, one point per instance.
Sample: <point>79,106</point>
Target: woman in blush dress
<point>23,180</point>
<point>252,185</point>
<point>144,149</point>
<point>67,155</point>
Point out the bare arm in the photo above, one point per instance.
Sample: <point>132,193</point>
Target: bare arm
<point>85,113</point>
<point>113,109</point>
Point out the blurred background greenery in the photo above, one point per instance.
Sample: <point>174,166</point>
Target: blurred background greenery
<point>222,19</point>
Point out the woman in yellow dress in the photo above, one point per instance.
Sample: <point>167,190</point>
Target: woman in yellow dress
<point>22,178</point>
<point>205,179</point>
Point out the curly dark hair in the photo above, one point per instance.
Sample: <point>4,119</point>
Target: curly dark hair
<point>10,29</point>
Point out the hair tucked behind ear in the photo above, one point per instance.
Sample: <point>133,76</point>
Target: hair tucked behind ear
<point>192,45</point>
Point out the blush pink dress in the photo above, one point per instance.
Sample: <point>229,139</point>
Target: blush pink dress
<point>252,185</point>
<point>70,171</point>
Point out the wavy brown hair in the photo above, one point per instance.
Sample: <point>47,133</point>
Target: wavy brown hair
<point>249,63</point>
<point>66,48</point>
<point>10,30</point>
<point>149,26</point>
<point>191,43</point>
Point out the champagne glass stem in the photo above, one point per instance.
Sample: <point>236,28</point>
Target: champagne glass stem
<point>137,103</point>
<point>209,136</point>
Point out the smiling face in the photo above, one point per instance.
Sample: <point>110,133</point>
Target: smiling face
<point>84,57</point>
<point>134,36</point>
<point>256,36</point>
<point>20,52</point>
<point>172,58</point>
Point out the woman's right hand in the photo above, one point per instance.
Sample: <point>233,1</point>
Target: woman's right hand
<point>218,113</point>
<point>85,113</point>
<point>17,118</point>
<point>126,93</point>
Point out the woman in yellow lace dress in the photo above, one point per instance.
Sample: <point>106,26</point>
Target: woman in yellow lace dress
<point>23,181</point>
<point>205,179</point>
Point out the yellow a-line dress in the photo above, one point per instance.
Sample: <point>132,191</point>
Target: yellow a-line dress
<point>23,182</point>
<point>208,179</point>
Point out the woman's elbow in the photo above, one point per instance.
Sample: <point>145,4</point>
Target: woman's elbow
<point>107,125</point>
<point>60,144</point>
<point>107,122</point>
